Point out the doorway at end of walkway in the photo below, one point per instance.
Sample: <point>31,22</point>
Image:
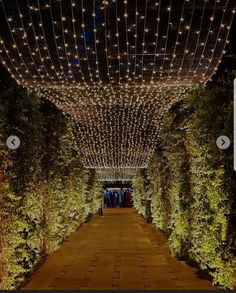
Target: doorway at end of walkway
<point>117,197</point>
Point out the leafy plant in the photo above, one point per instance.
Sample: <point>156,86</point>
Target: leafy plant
<point>43,185</point>
<point>192,183</point>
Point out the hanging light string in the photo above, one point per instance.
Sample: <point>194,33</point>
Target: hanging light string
<point>127,42</point>
<point>26,42</point>
<point>199,32</point>
<point>143,40</point>
<point>203,44</point>
<point>38,9</point>
<point>118,42</point>
<point>85,42</point>
<point>188,27</point>
<point>204,52</point>
<point>218,39</point>
<point>169,8</point>
<point>136,39</point>
<point>105,40</point>
<point>115,115</point>
<point>57,44</point>
<point>158,5</point>
<point>14,45</point>
<point>38,51</point>
<point>59,75</point>
<point>115,174</point>
<point>66,45</point>
<point>96,41</point>
<point>75,37</point>
<point>16,75</point>
<point>178,35</point>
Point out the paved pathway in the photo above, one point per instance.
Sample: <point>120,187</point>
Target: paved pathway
<point>116,251</point>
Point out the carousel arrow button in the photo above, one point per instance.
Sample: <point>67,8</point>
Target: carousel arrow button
<point>223,142</point>
<point>13,142</point>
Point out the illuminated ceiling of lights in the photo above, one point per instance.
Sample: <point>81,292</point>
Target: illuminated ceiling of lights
<point>115,175</point>
<point>114,67</point>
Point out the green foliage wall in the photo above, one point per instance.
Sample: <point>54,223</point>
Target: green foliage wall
<point>192,183</point>
<point>140,196</point>
<point>44,189</point>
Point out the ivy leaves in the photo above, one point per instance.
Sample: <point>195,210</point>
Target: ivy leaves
<point>192,185</point>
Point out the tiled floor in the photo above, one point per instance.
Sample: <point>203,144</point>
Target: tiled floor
<point>116,251</point>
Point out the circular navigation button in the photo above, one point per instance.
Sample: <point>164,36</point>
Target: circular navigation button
<point>13,142</point>
<point>223,142</point>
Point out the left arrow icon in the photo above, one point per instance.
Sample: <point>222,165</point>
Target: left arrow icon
<point>13,142</point>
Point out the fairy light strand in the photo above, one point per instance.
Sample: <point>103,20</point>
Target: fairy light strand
<point>115,70</point>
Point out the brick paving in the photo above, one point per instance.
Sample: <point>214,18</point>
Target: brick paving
<point>117,251</point>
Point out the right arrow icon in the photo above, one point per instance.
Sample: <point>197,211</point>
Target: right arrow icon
<point>223,142</point>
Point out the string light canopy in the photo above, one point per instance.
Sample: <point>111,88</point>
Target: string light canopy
<point>113,67</point>
<point>115,175</point>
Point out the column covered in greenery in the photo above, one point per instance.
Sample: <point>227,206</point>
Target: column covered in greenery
<point>44,188</point>
<point>192,183</point>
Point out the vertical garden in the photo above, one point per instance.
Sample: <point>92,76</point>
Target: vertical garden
<point>189,188</point>
<point>45,192</point>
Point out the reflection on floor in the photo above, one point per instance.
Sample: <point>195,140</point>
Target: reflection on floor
<point>116,251</point>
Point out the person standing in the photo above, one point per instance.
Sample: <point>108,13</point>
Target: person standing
<point>120,198</point>
<point>108,196</point>
<point>104,193</point>
<point>112,199</point>
<point>116,199</point>
<point>100,210</point>
<point>128,199</point>
<point>124,202</point>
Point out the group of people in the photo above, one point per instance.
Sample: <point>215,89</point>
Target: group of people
<point>114,198</point>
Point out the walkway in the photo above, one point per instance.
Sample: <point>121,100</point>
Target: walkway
<point>116,251</point>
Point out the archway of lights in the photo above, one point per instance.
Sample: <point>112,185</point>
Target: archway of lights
<point>113,67</point>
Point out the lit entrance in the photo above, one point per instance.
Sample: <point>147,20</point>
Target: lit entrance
<point>117,197</point>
